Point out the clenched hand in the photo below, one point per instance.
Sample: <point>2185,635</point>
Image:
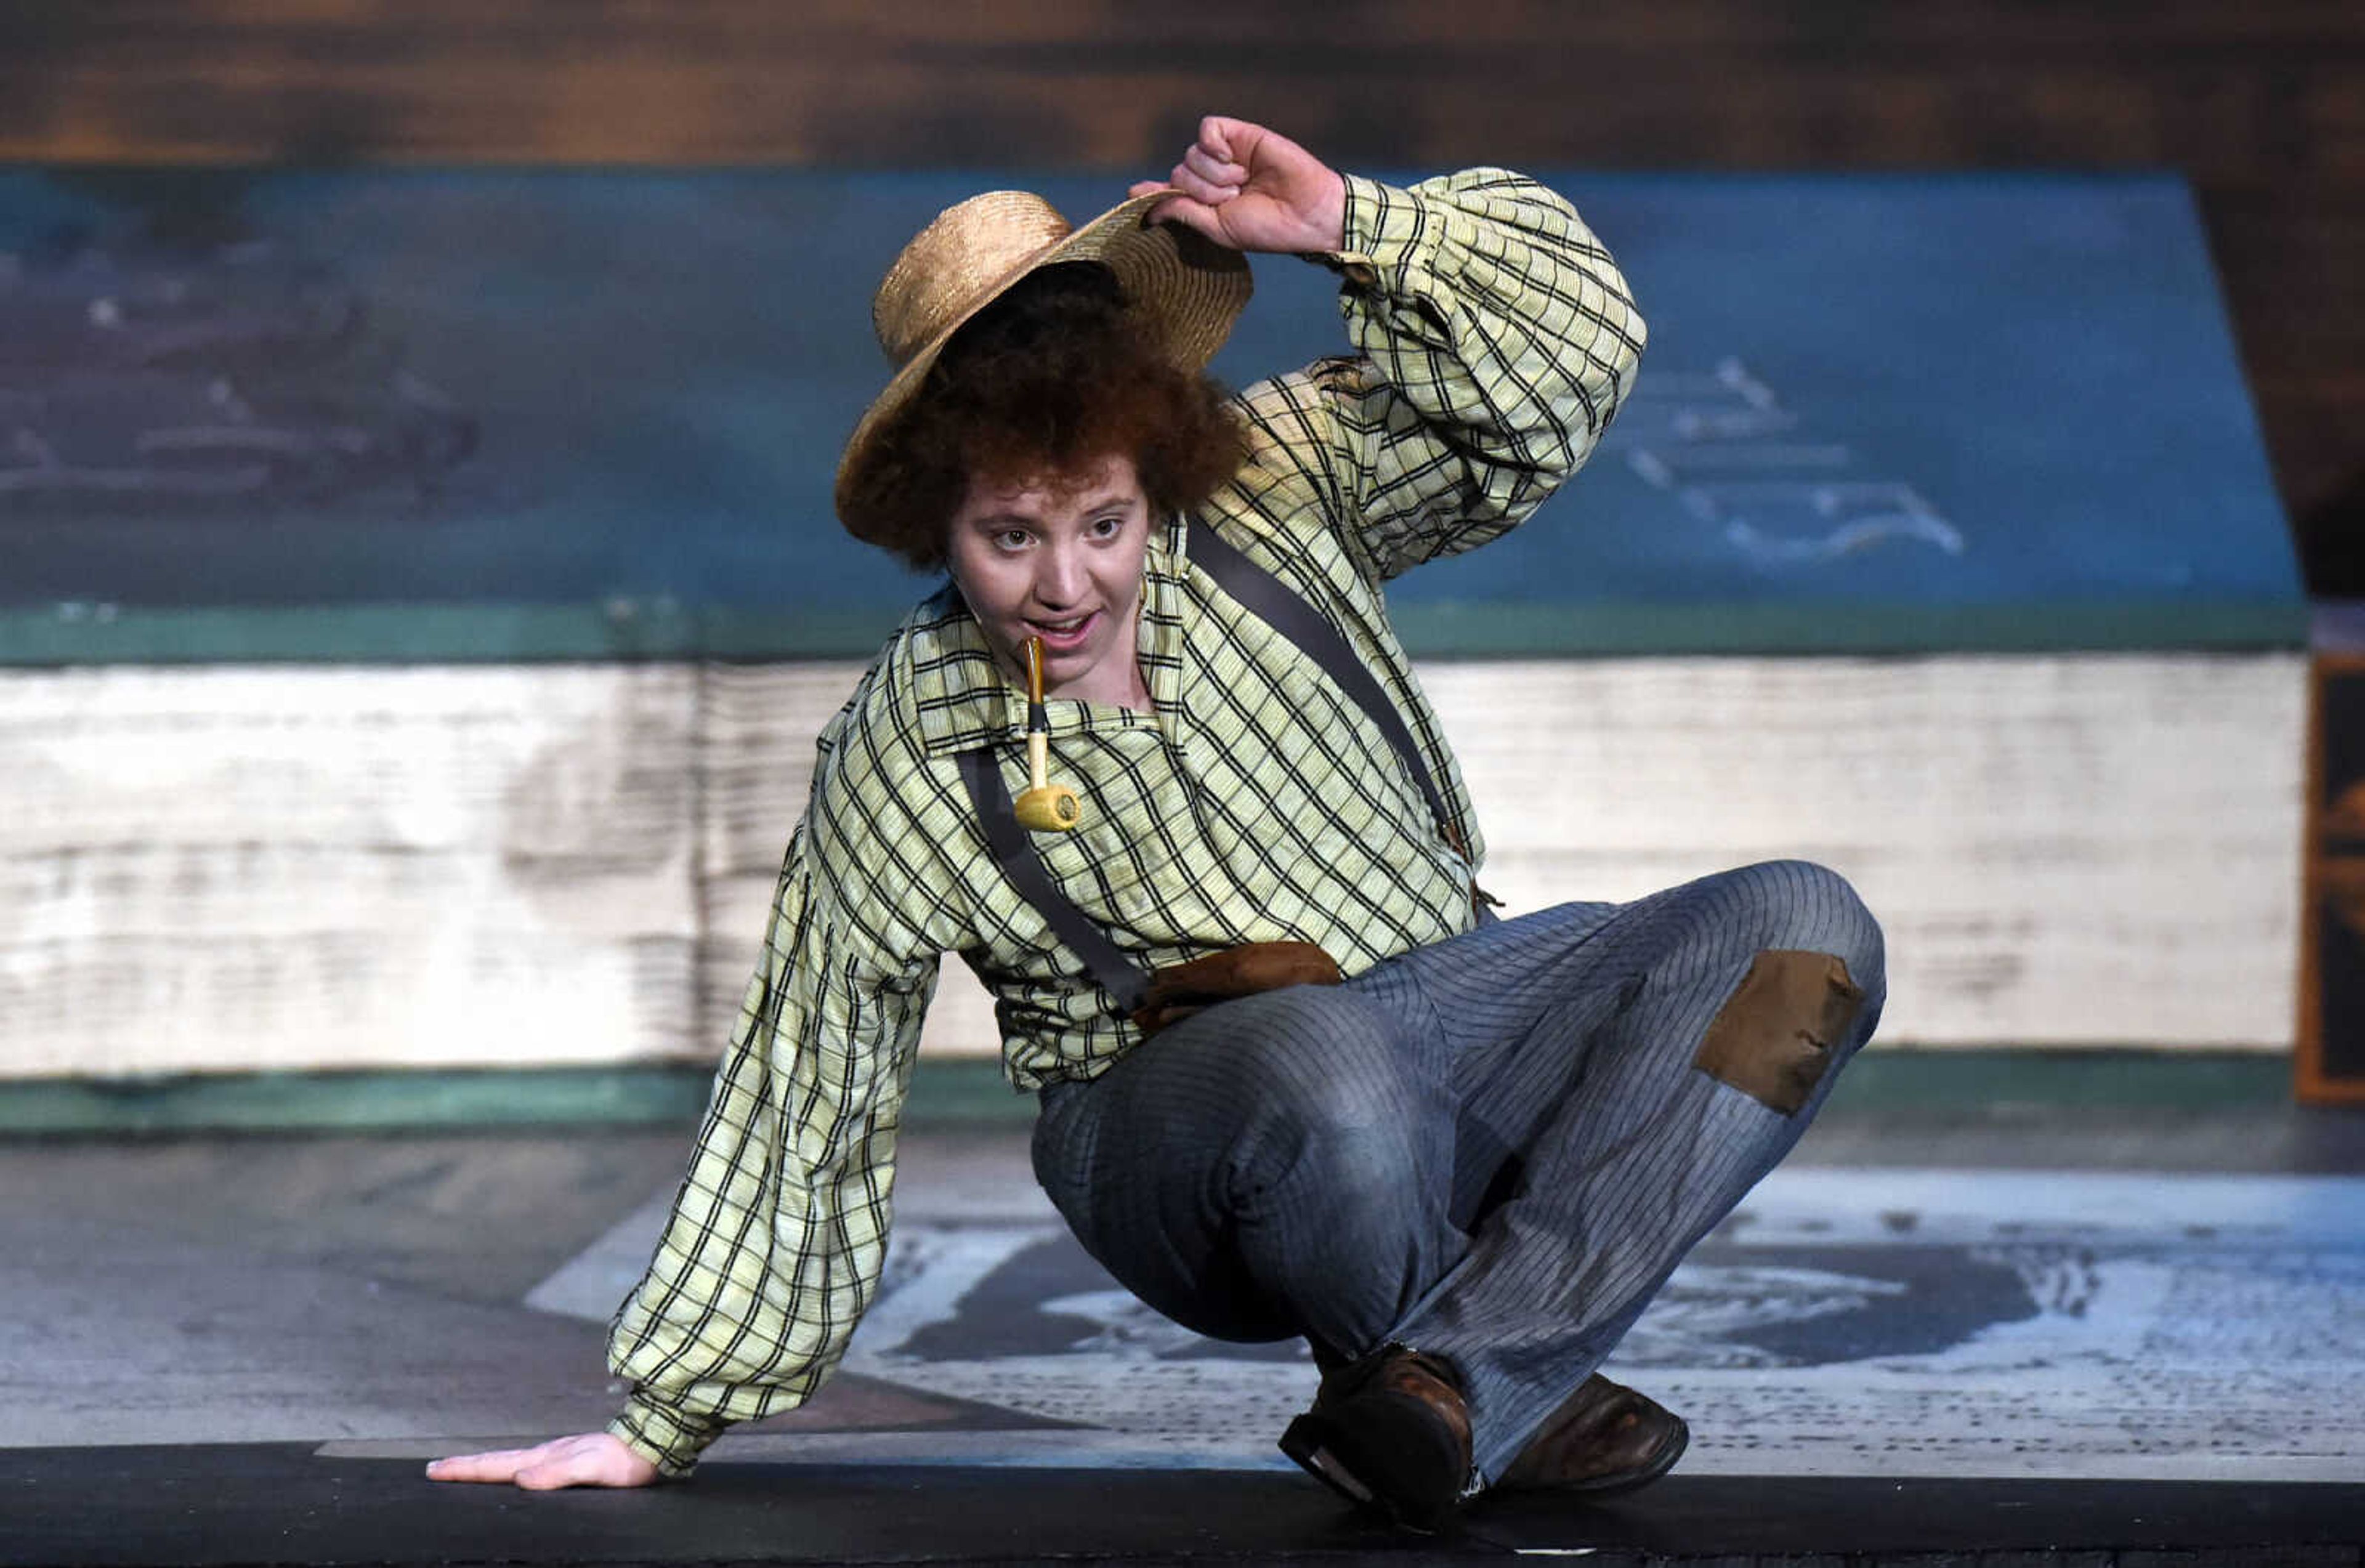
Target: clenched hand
<point>1254,189</point>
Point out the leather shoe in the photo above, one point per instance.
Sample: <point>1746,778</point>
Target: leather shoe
<point>1605,1438</point>
<point>1390,1433</point>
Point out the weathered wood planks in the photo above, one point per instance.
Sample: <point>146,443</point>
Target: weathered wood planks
<point>246,867</point>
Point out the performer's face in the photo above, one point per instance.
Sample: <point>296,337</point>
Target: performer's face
<point>1060,561</point>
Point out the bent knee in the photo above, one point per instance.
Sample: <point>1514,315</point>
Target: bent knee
<point>1801,905</point>
<point>1812,989</point>
<point>1324,1097</point>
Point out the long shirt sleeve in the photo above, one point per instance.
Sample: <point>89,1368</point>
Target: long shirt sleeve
<point>1494,339</point>
<point>777,1233</point>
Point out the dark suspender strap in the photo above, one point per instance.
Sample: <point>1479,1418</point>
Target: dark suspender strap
<point>1118,975</point>
<point>1270,600</point>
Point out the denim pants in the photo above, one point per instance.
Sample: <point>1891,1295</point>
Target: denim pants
<point>1493,1150</point>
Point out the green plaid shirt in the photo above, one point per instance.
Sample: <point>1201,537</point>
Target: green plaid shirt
<point>1492,339</point>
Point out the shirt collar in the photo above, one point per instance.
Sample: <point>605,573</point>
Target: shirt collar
<point>965,702</point>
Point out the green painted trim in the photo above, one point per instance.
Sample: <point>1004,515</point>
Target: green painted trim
<point>351,1102</point>
<point>625,629</point>
<point>972,1092</point>
<point>1948,1081</point>
<point>620,631</point>
<point>1583,631</point>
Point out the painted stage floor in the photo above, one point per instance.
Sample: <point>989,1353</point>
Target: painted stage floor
<point>2078,1338</point>
<point>1866,1322</point>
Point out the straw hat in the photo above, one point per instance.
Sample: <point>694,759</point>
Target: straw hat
<point>1182,285</point>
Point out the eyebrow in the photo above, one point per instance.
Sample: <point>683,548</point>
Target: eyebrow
<point>1027,519</point>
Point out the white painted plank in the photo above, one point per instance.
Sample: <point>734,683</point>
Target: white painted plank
<point>2095,849</point>
<point>209,870</point>
<point>223,869</point>
<point>2068,850</point>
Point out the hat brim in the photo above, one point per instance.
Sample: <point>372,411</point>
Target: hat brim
<point>1185,286</point>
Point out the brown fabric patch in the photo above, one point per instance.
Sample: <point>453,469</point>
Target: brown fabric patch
<point>1773,1037</point>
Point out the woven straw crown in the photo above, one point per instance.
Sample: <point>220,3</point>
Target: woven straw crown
<point>1182,286</point>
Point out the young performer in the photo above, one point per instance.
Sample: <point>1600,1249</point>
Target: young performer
<point>1296,1077</point>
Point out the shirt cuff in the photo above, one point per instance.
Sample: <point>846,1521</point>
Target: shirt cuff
<point>1381,221</point>
<point>670,1439</point>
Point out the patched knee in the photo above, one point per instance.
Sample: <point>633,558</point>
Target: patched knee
<point>1779,1034</point>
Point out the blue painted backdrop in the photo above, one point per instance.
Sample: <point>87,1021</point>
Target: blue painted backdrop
<point>501,414</point>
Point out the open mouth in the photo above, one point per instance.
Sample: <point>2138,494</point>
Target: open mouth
<point>1059,635</point>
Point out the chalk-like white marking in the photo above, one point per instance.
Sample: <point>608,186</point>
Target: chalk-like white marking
<point>2201,1327</point>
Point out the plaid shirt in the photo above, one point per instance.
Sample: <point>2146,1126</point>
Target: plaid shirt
<point>1494,339</point>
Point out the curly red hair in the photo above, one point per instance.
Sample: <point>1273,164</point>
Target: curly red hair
<point>1038,389</point>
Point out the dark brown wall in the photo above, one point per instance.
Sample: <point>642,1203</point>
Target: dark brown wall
<point>2262,105</point>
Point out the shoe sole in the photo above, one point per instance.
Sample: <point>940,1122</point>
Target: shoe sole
<point>1389,1482</point>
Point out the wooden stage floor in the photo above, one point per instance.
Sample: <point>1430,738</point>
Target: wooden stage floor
<point>1967,1328</point>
